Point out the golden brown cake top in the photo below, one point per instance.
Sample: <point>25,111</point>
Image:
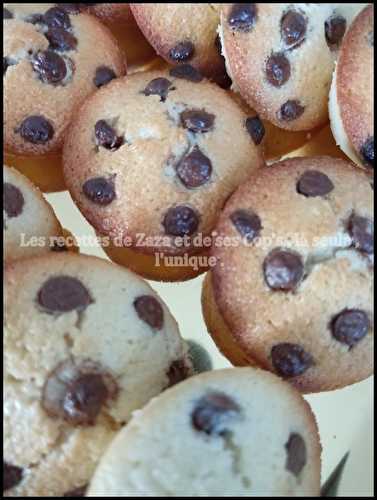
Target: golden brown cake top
<point>50,67</point>
<point>302,258</point>
<point>281,57</point>
<point>183,33</point>
<point>158,153</point>
<point>355,85</point>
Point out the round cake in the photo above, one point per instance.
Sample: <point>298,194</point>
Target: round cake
<point>233,432</point>
<point>30,226</point>
<point>80,357</point>
<point>50,67</point>
<point>150,160</point>
<point>281,56</point>
<point>292,287</point>
<point>185,33</point>
<point>351,97</point>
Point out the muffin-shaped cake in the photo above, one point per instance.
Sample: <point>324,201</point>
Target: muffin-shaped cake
<point>150,160</point>
<point>281,57</point>
<point>234,432</point>
<point>79,358</point>
<point>49,68</point>
<point>185,33</point>
<point>351,97</point>
<point>292,293</point>
<point>30,226</point>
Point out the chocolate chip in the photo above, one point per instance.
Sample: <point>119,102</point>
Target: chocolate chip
<point>158,86</point>
<point>367,152</point>
<point>350,326</point>
<point>255,128</point>
<point>34,19</point>
<point>186,72</point>
<point>106,136</point>
<point>7,14</point>
<point>178,372</point>
<point>197,120</point>
<point>361,230</point>
<point>150,311</point>
<point>180,221</point>
<point>57,17</point>
<point>77,492</point>
<point>278,69</point>
<point>293,28</point>
<point>296,454</point>
<point>194,169</point>
<point>62,294</point>
<point>290,110</point>
<point>335,27</point>
<point>99,190</point>
<point>84,399</point>
<point>76,392</point>
<point>36,129</point>
<point>13,200</point>
<point>247,223</point>
<point>12,476</point>
<point>283,269</point>
<point>61,40</point>
<point>314,183</point>
<point>242,16</point>
<point>103,75</point>
<point>50,67</point>
<point>182,52</point>
<point>290,360</point>
<point>213,414</point>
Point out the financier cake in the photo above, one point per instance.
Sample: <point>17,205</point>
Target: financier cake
<point>79,358</point>
<point>233,432</point>
<point>185,33</point>
<point>49,68</point>
<point>30,226</point>
<point>280,57</point>
<point>351,103</point>
<point>150,160</point>
<point>292,291</point>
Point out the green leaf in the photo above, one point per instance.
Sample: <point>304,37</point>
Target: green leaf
<point>201,360</point>
<point>330,487</point>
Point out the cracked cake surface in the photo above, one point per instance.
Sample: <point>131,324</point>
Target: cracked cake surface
<point>295,290</point>
<point>48,50</point>
<point>239,431</point>
<point>158,153</point>
<point>79,358</point>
